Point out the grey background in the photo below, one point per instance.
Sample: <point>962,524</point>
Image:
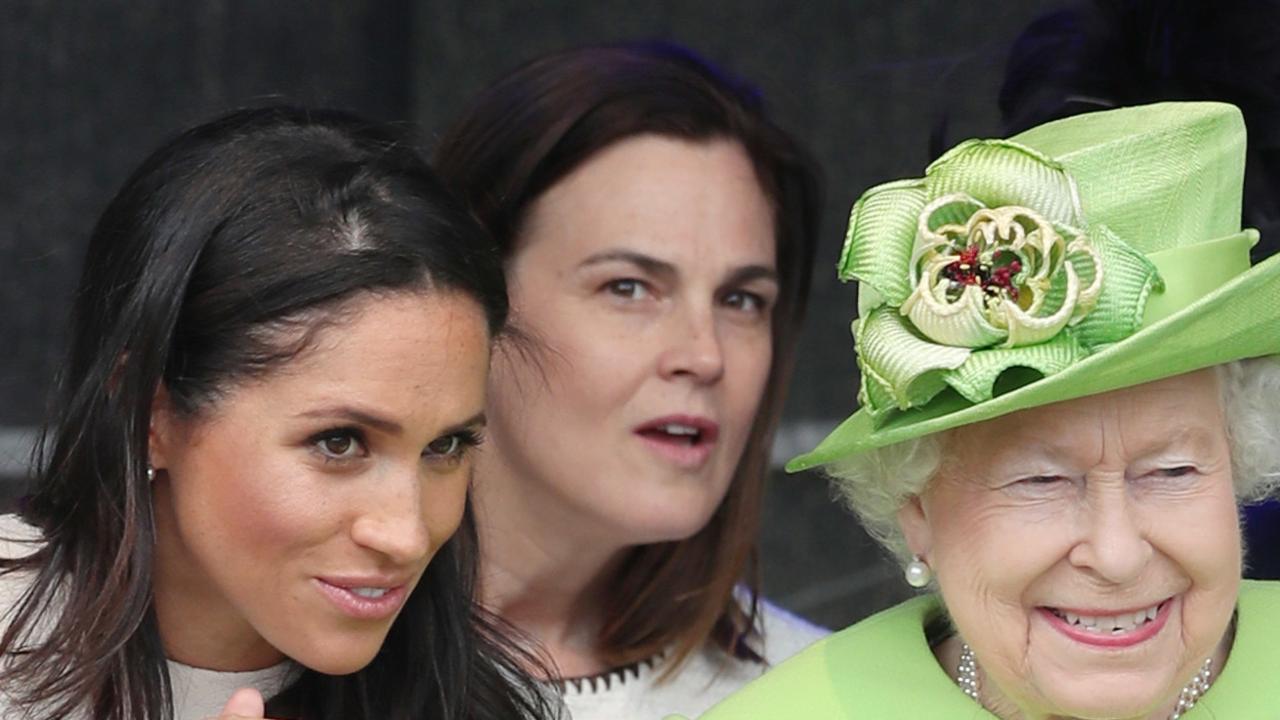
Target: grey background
<point>87,89</point>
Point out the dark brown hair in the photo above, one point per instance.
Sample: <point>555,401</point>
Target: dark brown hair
<point>538,124</point>
<point>215,263</point>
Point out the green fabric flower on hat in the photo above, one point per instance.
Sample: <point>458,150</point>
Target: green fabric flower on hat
<point>985,265</point>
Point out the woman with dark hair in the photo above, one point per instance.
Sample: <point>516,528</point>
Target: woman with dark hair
<point>262,436</point>
<point>658,235</point>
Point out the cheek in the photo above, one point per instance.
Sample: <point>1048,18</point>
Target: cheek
<point>249,495</point>
<point>1210,558</point>
<point>571,372</point>
<point>1218,543</point>
<point>748,361</point>
<point>756,354</point>
<point>444,502</point>
<point>980,538</point>
<point>988,558</point>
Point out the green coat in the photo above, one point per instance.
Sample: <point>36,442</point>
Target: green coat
<point>883,669</point>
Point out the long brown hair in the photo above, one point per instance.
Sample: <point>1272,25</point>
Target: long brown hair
<point>535,126</point>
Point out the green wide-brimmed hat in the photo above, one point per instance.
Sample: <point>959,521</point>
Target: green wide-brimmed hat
<point>1085,255</point>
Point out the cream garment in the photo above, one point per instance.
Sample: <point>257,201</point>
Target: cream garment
<point>197,693</point>
<point>633,693</point>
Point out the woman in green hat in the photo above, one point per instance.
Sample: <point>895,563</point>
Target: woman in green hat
<point>1069,386</point>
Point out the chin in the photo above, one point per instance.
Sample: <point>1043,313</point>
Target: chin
<point>667,522</point>
<point>337,655</point>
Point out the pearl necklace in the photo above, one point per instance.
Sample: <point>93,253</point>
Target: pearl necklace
<point>967,679</point>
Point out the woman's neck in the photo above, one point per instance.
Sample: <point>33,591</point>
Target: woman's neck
<point>543,569</point>
<point>198,626</point>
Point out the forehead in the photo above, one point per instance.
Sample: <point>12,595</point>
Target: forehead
<point>671,197</point>
<point>391,352</point>
<point>1181,411</point>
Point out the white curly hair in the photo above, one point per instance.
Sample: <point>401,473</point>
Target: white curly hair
<point>875,484</point>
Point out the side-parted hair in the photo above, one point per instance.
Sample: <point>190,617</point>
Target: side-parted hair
<point>535,126</point>
<point>219,260</point>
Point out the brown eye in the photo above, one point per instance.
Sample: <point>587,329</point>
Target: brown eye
<point>446,446</point>
<point>452,447</point>
<point>627,288</point>
<point>745,301</point>
<point>338,445</point>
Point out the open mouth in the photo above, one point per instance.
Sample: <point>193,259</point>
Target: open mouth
<point>368,602</point>
<point>678,433</point>
<point>1111,630</point>
<point>1112,624</point>
<point>685,440</point>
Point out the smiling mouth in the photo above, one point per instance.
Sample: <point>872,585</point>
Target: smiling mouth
<point>1118,624</point>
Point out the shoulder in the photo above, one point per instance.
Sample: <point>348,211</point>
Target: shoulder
<point>864,671</point>
<point>786,634</point>
<point>1246,687</point>
<point>17,540</point>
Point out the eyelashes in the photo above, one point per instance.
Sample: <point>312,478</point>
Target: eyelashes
<point>1172,472</point>
<point>350,444</point>
<point>453,446</point>
<point>339,444</point>
<point>631,290</point>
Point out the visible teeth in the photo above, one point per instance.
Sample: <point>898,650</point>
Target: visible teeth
<point>372,593</point>
<point>677,429</point>
<point>1111,623</point>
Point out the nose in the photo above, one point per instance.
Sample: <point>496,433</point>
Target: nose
<point>391,521</point>
<point>693,348</point>
<point>1114,546</point>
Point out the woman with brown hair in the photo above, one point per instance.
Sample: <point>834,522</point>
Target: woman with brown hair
<point>658,237</point>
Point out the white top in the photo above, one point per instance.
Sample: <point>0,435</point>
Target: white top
<point>197,693</point>
<point>200,693</point>
<point>633,693</point>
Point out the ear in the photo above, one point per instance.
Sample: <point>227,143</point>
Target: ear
<point>163,433</point>
<point>914,521</point>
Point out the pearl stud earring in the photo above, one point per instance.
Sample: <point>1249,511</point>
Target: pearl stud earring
<point>918,572</point>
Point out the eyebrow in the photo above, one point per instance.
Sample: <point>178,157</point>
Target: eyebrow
<point>654,266</point>
<point>472,423</point>
<point>357,416</point>
<point>1198,439</point>
<point>390,427</point>
<point>648,263</point>
<point>750,273</point>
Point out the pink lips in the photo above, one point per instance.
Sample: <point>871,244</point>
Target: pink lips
<point>684,440</point>
<point>342,593</point>
<point>1140,634</point>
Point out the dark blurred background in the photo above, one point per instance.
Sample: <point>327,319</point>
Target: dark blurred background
<point>874,88</point>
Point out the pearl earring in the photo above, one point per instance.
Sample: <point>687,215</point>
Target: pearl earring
<point>918,572</point>
<point>151,473</point>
